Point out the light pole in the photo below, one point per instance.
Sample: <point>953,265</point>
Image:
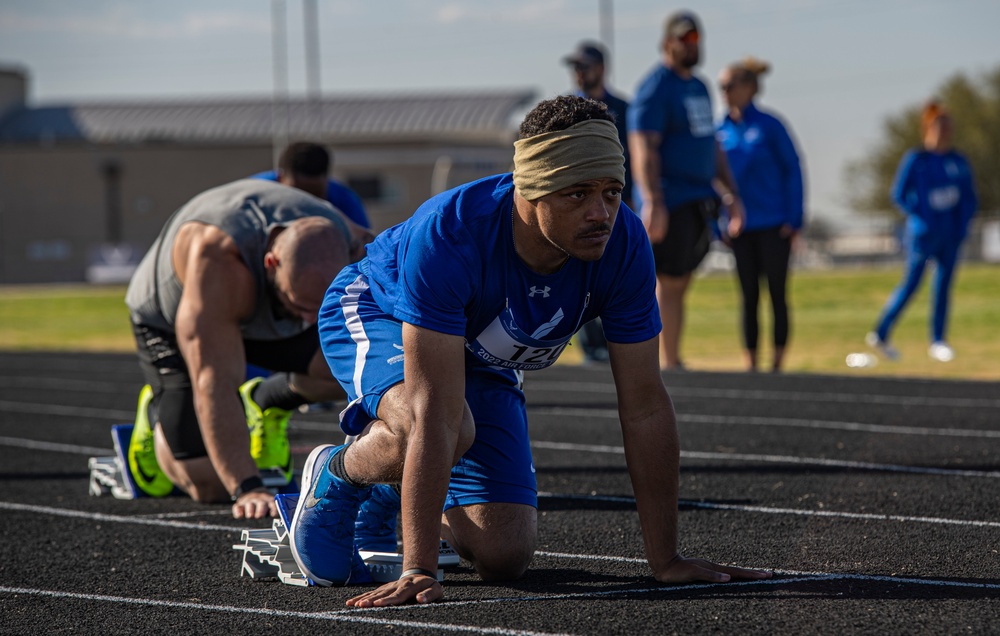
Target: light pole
<point>279,100</point>
<point>310,19</point>
<point>606,28</point>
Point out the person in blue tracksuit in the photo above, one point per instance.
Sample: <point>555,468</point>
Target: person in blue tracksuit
<point>768,171</point>
<point>305,165</point>
<point>934,189</point>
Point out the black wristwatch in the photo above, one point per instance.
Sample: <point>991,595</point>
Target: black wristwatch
<point>248,484</point>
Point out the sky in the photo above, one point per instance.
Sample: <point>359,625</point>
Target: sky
<point>839,68</point>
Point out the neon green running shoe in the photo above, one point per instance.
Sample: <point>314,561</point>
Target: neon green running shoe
<point>142,462</point>
<point>268,432</point>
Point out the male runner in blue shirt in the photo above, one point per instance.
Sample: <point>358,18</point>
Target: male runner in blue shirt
<point>484,282</point>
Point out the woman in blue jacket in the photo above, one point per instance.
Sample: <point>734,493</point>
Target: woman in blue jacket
<point>767,170</point>
<point>934,188</point>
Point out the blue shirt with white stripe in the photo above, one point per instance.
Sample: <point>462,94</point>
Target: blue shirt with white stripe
<point>452,268</point>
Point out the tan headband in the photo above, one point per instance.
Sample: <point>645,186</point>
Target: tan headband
<point>551,161</point>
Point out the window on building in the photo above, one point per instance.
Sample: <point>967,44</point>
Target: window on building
<point>369,188</point>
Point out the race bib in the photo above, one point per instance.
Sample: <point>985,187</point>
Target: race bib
<point>505,345</point>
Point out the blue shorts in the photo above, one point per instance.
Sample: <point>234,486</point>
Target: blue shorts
<point>364,347</point>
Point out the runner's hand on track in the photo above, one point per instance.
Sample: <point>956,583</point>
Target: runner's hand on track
<point>422,589</point>
<point>255,504</point>
<point>684,570</point>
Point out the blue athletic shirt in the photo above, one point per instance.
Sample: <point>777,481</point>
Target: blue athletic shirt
<point>342,198</point>
<point>680,110</point>
<point>936,192</point>
<point>452,268</point>
<point>766,167</point>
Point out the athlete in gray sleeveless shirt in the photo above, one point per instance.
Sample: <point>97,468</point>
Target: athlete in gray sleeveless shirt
<point>246,210</point>
<point>235,278</point>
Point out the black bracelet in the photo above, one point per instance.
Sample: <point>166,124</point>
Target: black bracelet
<point>420,571</point>
<point>248,484</point>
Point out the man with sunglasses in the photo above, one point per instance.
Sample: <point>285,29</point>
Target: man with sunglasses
<point>678,167</point>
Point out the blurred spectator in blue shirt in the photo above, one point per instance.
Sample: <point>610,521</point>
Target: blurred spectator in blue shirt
<point>934,189</point>
<point>306,166</point>
<point>767,170</point>
<point>679,171</point>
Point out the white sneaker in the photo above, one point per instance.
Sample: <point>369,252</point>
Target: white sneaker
<point>941,352</point>
<point>888,351</point>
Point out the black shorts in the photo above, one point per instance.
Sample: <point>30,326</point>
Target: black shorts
<point>689,234</point>
<point>173,401</point>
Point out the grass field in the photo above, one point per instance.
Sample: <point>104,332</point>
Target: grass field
<point>831,312</point>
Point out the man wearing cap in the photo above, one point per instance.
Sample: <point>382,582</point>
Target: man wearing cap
<point>482,283</point>
<point>587,62</point>
<point>680,172</point>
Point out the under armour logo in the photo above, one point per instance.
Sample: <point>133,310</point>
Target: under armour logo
<point>544,291</point>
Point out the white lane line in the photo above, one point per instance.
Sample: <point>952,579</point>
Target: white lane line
<point>93,386</point>
<point>779,421</point>
<point>96,386</point>
<point>780,459</point>
<point>187,515</point>
<point>338,617</point>
<point>616,450</point>
<point>777,396</point>
<point>331,426</point>
<point>98,516</point>
<point>705,505</point>
<point>840,426</point>
<point>32,408</point>
<point>363,615</point>
<point>69,384</point>
<point>19,442</point>
<point>163,522</point>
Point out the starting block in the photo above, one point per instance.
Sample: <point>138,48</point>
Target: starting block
<point>111,475</point>
<point>267,554</point>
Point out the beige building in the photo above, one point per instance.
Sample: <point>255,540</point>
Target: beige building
<point>85,187</point>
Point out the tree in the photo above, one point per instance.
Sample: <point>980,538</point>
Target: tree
<point>975,112</point>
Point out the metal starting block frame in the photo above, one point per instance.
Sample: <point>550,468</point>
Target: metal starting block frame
<point>111,475</point>
<point>267,554</point>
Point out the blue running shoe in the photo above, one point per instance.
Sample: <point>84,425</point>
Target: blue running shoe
<point>322,530</point>
<point>375,528</point>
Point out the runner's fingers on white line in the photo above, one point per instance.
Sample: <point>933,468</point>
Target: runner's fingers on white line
<point>422,589</point>
<point>741,573</point>
<point>683,570</point>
